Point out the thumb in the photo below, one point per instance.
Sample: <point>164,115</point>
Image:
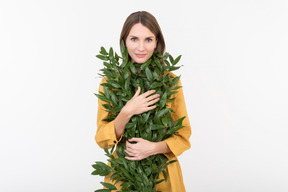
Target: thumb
<point>137,92</point>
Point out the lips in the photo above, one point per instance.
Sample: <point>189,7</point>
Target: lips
<point>140,55</point>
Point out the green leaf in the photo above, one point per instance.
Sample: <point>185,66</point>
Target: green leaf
<point>145,116</point>
<point>148,171</point>
<point>123,65</point>
<point>167,63</point>
<point>117,57</point>
<point>159,181</point>
<point>125,172</point>
<point>170,120</point>
<point>119,179</point>
<point>165,56</point>
<point>179,121</point>
<point>165,175</point>
<point>146,64</point>
<point>107,106</point>
<point>101,169</point>
<point>126,185</point>
<point>102,98</point>
<point>133,69</point>
<point>130,125</point>
<point>112,149</point>
<point>157,127</point>
<point>149,74</point>
<point>111,53</point>
<point>103,51</point>
<point>171,59</point>
<point>122,46</point>
<point>163,100</point>
<point>106,150</point>
<point>156,74</point>
<point>125,56</point>
<point>107,65</point>
<point>102,57</point>
<point>106,92</point>
<point>127,84</point>
<point>164,121</point>
<point>126,74</point>
<point>158,54</point>
<point>115,85</point>
<point>158,63</point>
<point>155,85</point>
<point>109,186</point>
<point>176,80</point>
<point>174,129</point>
<point>176,60</point>
<point>172,68</point>
<point>162,112</point>
<point>113,98</point>
<point>176,87</point>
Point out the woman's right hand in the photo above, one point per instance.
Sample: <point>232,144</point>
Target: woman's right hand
<point>136,105</point>
<point>141,103</point>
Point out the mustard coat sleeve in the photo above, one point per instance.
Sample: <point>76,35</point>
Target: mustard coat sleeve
<point>179,141</point>
<point>105,135</point>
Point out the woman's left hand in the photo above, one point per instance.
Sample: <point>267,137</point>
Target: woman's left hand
<point>140,150</point>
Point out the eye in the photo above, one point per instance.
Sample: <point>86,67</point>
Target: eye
<point>148,39</point>
<point>133,38</point>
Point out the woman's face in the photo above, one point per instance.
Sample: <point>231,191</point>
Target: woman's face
<point>140,43</point>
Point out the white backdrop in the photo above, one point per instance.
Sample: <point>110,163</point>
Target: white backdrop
<point>234,76</point>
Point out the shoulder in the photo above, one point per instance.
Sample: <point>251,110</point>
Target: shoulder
<point>171,74</point>
<point>104,80</point>
<point>174,76</point>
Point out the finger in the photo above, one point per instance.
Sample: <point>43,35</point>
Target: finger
<point>130,153</point>
<point>150,108</point>
<point>152,97</point>
<point>151,102</point>
<point>128,145</point>
<point>137,92</point>
<point>134,139</point>
<point>133,158</point>
<point>147,93</point>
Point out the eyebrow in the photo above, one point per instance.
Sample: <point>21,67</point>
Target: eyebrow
<point>151,37</point>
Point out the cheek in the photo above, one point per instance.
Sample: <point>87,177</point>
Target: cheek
<point>131,47</point>
<point>152,47</point>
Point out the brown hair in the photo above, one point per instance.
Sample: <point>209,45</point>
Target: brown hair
<point>149,21</point>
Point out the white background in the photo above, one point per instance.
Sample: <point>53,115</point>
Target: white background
<point>234,76</point>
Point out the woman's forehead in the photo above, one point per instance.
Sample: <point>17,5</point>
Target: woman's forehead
<point>140,30</point>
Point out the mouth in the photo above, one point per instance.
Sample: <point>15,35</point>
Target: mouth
<point>140,55</point>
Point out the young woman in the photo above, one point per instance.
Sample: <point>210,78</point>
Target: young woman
<point>142,36</point>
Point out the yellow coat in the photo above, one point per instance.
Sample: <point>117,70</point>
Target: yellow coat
<point>178,143</point>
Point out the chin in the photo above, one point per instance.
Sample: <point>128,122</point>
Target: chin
<point>142,60</point>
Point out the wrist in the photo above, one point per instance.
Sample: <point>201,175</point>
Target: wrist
<point>160,148</point>
<point>126,112</point>
<point>155,149</point>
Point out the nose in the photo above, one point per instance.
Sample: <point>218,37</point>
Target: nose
<point>141,46</point>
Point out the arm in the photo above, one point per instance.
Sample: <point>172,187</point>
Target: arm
<point>109,133</point>
<point>105,135</point>
<point>143,148</point>
<point>179,142</point>
<point>170,147</point>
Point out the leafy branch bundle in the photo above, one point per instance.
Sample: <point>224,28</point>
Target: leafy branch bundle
<point>155,125</point>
